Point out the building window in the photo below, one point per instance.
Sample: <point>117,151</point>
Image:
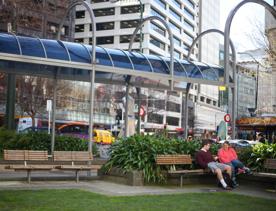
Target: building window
<point>155,118</point>
<point>104,12</point>
<point>175,14</point>
<point>158,29</point>
<point>176,3</point>
<point>130,9</point>
<point>176,54</point>
<point>173,107</point>
<point>176,41</point>
<point>172,25</point>
<point>188,37</point>
<point>154,53</point>
<point>154,12</point>
<point>208,101</point>
<point>79,40</point>
<point>129,24</point>
<point>190,3</point>
<point>188,13</point>
<point>214,103</point>
<point>80,14</point>
<point>161,3</point>
<point>104,26</point>
<point>157,43</point>
<point>188,25</point>
<point>105,40</point>
<point>172,121</point>
<point>202,99</point>
<point>79,28</point>
<point>126,38</point>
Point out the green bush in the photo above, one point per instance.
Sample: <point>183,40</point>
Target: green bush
<point>139,153</point>
<point>261,152</point>
<point>41,141</point>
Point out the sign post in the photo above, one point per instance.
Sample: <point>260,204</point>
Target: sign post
<point>227,119</point>
<point>49,109</point>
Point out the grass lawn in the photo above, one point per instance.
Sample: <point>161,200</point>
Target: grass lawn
<point>81,200</point>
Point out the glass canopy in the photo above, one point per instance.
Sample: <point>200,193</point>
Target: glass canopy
<point>67,60</point>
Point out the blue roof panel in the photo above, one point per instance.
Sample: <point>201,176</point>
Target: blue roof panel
<point>31,47</point>
<point>55,50</point>
<point>78,53</point>
<point>8,44</point>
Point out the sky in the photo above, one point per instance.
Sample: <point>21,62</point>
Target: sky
<point>245,24</point>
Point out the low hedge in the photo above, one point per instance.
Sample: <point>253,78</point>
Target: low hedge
<point>41,141</point>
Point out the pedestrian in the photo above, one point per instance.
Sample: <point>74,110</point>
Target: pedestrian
<point>205,159</point>
<point>228,156</point>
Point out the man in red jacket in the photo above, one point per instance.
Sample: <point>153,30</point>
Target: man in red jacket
<point>205,159</point>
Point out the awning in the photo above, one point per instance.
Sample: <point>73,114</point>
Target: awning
<point>72,61</point>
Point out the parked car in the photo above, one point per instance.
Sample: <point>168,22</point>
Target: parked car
<point>239,143</point>
<point>80,130</point>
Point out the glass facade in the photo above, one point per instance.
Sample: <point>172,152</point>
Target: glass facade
<point>175,14</point>
<point>158,29</point>
<point>157,43</point>
<point>189,13</point>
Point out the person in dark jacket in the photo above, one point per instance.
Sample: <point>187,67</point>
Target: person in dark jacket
<point>205,159</point>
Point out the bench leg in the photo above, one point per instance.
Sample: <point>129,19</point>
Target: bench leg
<point>29,176</point>
<point>77,176</point>
<point>181,181</point>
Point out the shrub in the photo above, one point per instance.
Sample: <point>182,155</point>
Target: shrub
<point>260,153</point>
<point>139,153</point>
<point>41,141</point>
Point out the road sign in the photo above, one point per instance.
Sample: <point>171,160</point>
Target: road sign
<point>142,111</point>
<point>227,118</point>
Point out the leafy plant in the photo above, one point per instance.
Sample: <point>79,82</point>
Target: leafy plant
<point>139,153</point>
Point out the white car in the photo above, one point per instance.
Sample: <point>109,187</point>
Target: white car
<point>240,142</point>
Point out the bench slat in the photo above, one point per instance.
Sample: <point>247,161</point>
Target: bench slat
<point>79,167</point>
<point>72,156</point>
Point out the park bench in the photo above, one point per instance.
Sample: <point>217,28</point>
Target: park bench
<point>173,160</point>
<point>75,156</point>
<point>269,164</point>
<point>26,155</point>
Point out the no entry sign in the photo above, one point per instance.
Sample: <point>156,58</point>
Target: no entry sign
<point>227,118</point>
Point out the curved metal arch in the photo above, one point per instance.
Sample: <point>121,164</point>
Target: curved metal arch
<point>227,31</point>
<point>182,67</point>
<point>146,59</point>
<point>139,27</point>
<point>197,69</point>
<point>128,58</point>
<point>18,43</point>
<point>86,50</point>
<point>92,73</point>
<point>211,68</point>
<point>188,58</point>
<point>67,51</point>
<point>42,45</point>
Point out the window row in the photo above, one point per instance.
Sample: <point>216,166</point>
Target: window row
<point>110,39</point>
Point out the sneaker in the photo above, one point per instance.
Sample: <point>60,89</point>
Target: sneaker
<point>227,188</point>
<point>248,171</point>
<point>241,171</point>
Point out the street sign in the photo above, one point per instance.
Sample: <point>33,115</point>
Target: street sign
<point>227,118</point>
<point>49,105</point>
<point>142,111</point>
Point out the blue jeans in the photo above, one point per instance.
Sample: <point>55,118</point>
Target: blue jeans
<point>237,164</point>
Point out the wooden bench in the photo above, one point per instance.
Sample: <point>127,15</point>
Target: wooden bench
<point>25,156</point>
<point>269,164</point>
<point>74,156</point>
<point>172,160</point>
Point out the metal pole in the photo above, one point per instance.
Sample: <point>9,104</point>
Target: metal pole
<point>10,104</point>
<point>126,109</point>
<point>54,116</point>
<point>189,84</point>
<point>93,62</point>
<point>257,87</point>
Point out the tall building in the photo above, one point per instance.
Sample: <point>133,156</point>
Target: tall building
<point>37,18</point>
<point>115,24</point>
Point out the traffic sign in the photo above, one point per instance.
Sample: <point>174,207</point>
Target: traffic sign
<point>227,118</point>
<point>142,111</point>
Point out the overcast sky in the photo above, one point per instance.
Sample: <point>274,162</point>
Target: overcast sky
<point>245,22</point>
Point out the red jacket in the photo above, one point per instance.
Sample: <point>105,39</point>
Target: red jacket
<point>226,156</point>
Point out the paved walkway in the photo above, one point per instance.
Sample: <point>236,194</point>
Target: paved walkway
<point>112,189</point>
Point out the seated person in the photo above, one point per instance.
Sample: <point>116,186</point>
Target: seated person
<point>205,159</point>
<point>228,155</point>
